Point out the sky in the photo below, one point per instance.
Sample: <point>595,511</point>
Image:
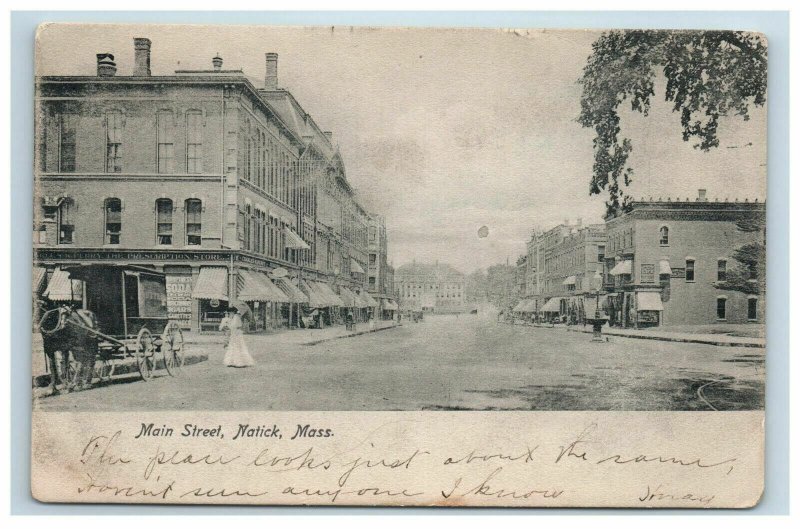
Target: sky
<point>444,131</point>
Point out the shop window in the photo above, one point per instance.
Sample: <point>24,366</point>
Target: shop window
<point>67,136</point>
<point>722,270</point>
<point>114,142</point>
<point>113,212</point>
<point>721,308</point>
<point>194,209</point>
<point>690,270</point>
<point>663,238</point>
<point>752,309</point>
<point>164,221</point>
<point>194,142</point>
<point>166,141</point>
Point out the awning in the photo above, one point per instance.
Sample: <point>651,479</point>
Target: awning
<point>255,286</point>
<point>519,307</point>
<point>62,288</point>
<point>39,274</point>
<point>330,295</point>
<point>315,297</point>
<point>355,267</point>
<point>212,283</point>
<point>347,296</point>
<point>649,301</point>
<point>623,267</point>
<point>552,305</point>
<point>569,281</point>
<point>367,300</point>
<point>390,305</point>
<point>664,267</point>
<point>294,241</point>
<point>291,290</point>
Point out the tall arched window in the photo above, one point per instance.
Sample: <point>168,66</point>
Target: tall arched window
<point>166,141</point>
<point>194,226</point>
<point>663,238</point>
<point>164,221</point>
<point>113,221</point>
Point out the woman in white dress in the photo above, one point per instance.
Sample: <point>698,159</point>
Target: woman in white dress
<point>236,353</point>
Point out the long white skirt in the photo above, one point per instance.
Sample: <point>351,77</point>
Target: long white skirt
<point>237,354</point>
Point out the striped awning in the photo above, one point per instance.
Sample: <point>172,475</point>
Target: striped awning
<point>212,283</point>
<point>62,288</point>
<point>369,300</point>
<point>552,305</point>
<point>622,268</point>
<point>347,296</point>
<point>315,298</point>
<point>328,292</point>
<point>255,286</point>
<point>39,275</point>
<point>291,290</point>
<point>355,267</point>
<point>294,241</point>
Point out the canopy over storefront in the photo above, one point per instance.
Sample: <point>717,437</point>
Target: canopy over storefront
<point>255,286</point>
<point>315,298</point>
<point>390,305</point>
<point>569,281</point>
<point>212,283</point>
<point>519,306</point>
<point>622,268</point>
<point>355,267</point>
<point>348,297</point>
<point>664,268</point>
<point>649,301</point>
<point>291,290</point>
<point>62,288</point>
<point>294,241</point>
<point>552,305</point>
<point>39,275</point>
<point>369,300</point>
<point>330,295</point>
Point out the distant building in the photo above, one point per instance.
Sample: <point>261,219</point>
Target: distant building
<point>380,275</point>
<point>668,262</point>
<point>430,287</point>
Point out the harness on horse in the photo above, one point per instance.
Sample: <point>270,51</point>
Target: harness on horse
<point>85,316</point>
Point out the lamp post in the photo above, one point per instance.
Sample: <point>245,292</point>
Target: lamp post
<point>598,320</point>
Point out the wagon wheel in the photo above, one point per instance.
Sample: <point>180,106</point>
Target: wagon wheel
<point>172,348</point>
<point>145,351</point>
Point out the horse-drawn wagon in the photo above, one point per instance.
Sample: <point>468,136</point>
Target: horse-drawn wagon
<point>124,315</point>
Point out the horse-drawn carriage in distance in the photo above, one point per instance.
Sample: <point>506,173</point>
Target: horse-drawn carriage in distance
<point>123,315</point>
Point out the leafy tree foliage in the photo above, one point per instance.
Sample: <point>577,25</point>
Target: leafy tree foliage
<point>749,273</point>
<point>709,74</point>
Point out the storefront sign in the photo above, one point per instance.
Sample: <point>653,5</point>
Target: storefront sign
<point>134,255</point>
<point>179,299</point>
<point>647,273</point>
<point>679,273</point>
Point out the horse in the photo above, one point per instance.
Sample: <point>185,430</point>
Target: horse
<point>67,330</point>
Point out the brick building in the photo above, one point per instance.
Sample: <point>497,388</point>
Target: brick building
<point>203,176</point>
<point>380,274</point>
<point>668,262</point>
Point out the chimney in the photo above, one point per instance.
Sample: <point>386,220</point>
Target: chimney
<point>141,57</point>
<point>217,62</point>
<point>271,78</point>
<point>701,195</point>
<point>106,67</point>
<point>328,134</point>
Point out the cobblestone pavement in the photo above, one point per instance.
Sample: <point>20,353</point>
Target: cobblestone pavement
<point>450,363</point>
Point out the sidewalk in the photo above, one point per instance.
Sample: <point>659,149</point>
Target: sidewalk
<point>316,336</point>
<point>675,336</point>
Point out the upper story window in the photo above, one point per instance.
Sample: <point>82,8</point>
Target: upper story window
<point>194,142</point>
<point>601,254</point>
<point>690,270</point>
<point>66,225</point>
<point>67,140</point>
<point>113,221</point>
<point>164,221</point>
<point>752,309</point>
<point>663,236</point>
<point>114,141</point>
<point>166,141</point>
<point>722,270</point>
<point>194,211</point>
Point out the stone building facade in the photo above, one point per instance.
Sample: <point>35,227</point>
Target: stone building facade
<point>200,170</point>
<point>430,287</point>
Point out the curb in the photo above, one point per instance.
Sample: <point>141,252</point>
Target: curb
<point>42,381</point>
<point>350,335</point>
<point>676,339</point>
